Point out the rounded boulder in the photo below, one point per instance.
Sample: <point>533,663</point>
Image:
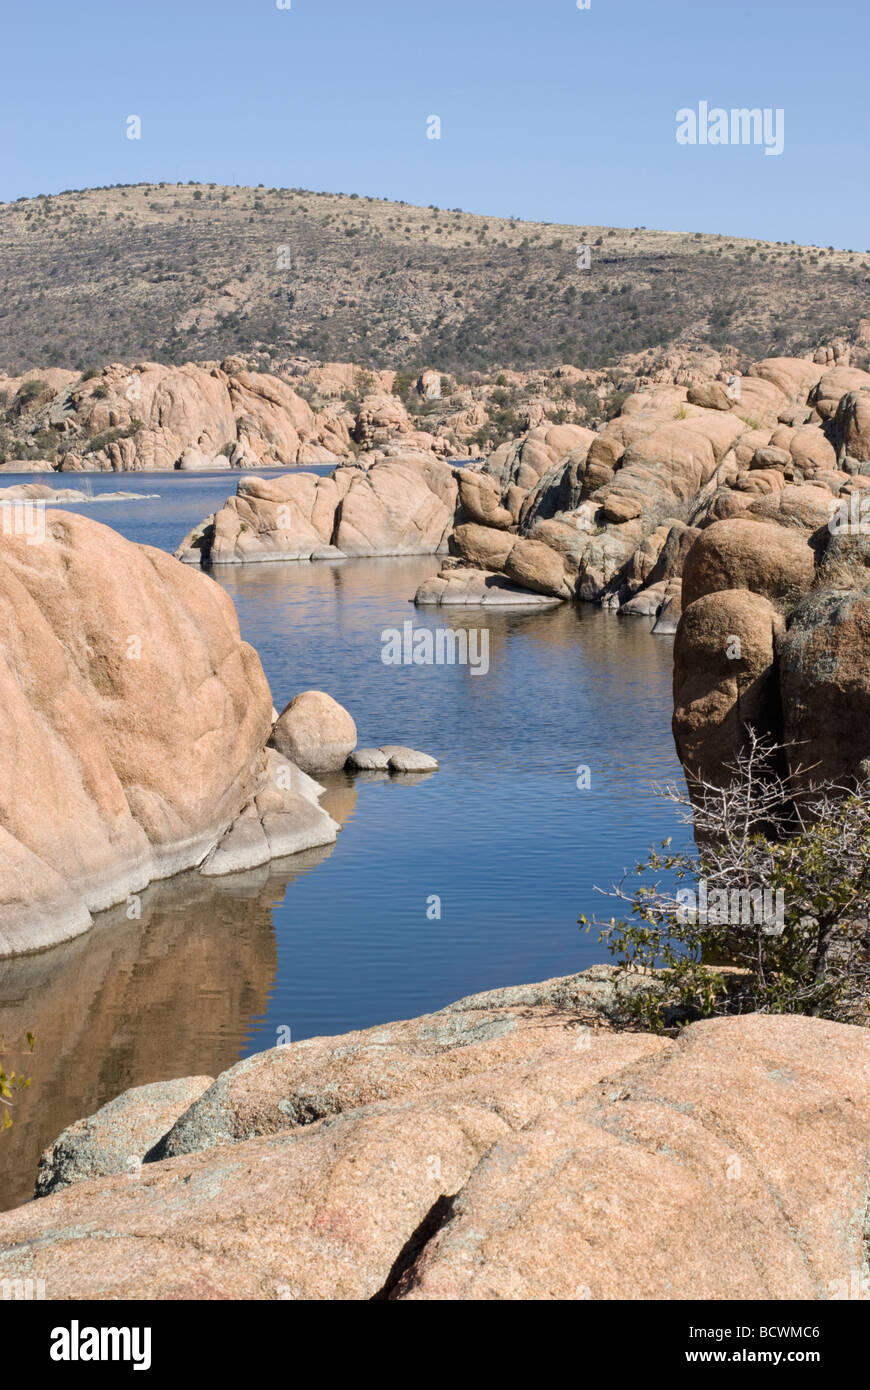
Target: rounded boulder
<point>315,732</point>
<point>767,559</point>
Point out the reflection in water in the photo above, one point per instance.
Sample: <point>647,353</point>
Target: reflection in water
<point>172,994</point>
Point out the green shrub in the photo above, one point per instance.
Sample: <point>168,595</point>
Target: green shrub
<point>29,392</point>
<point>777,918</point>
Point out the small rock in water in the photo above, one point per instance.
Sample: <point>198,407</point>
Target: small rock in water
<point>368,760</point>
<point>401,759</point>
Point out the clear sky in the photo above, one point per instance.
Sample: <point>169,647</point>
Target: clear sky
<point>548,111</point>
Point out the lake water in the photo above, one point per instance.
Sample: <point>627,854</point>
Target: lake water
<point>347,936</point>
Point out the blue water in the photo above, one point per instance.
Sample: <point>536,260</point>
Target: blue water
<point>348,937</point>
<point>501,834</point>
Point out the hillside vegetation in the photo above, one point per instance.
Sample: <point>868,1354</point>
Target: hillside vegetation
<point>175,273</point>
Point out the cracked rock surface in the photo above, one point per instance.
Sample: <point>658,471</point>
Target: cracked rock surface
<point>515,1145</point>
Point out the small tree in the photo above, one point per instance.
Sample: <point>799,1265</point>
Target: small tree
<point>777,919</point>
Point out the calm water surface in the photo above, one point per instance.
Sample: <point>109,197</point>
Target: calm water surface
<point>341,938</point>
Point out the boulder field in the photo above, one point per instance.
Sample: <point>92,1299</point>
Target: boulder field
<point>149,416</point>
<point>514,1145</point>
<point>400,500</point>
<point>732,513</point>
<point>136,732</point>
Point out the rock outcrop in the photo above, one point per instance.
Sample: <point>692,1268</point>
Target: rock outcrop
<point>150,416</point>
<point>512,1146</point>
<point>137,722</point>
<point>119,1136</point>
<point>724,679</point>
<point>400,506</point>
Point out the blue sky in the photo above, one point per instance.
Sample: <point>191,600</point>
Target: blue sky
<point>548,112</point>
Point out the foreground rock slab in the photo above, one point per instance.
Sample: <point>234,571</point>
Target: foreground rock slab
<point>511,1146</point>
<point>731,1166</point>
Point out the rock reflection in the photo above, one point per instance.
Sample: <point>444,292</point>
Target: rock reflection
<point>173,993</point>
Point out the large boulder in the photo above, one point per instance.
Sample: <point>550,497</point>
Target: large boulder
<point>315,732</point>
<point>481,547</point>
<point>710,395</point>
<point>724,679</point>
<point>760,556</point>
<point>534,565</point>
<point>825,682</point>
<point>137,721</point>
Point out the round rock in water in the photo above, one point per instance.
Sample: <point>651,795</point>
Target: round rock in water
<point>315,732</point>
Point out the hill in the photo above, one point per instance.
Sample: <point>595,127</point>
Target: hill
<point>174,273</point>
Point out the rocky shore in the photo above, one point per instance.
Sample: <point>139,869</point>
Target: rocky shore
<point>518,1144</point>
<point>738,504</point>
<point>729,511</point>
<point>525,1143</point>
